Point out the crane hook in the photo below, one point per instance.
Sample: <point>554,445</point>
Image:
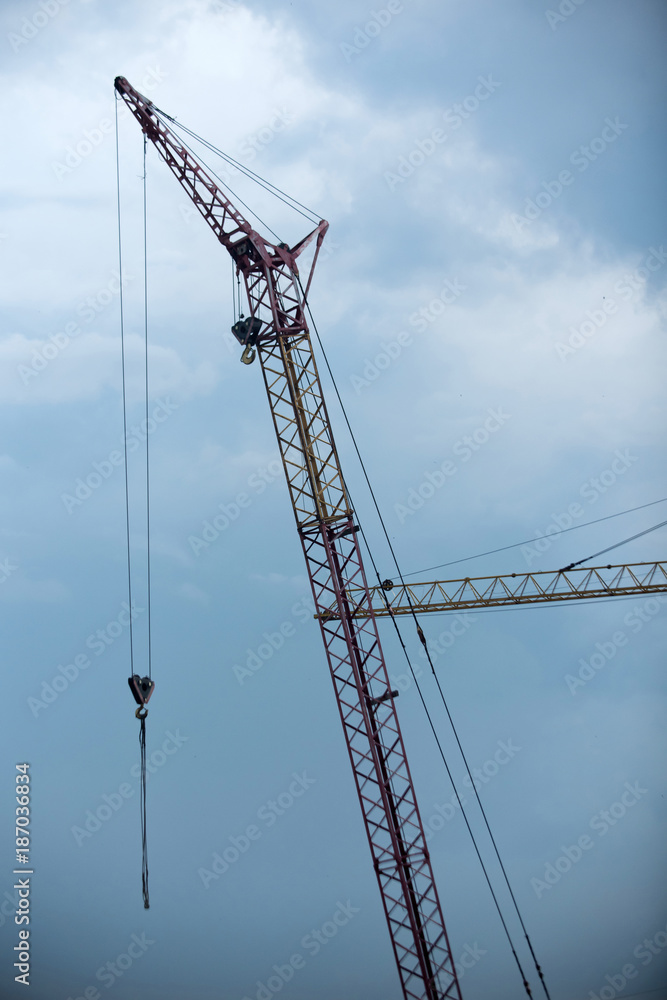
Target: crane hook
<point>248,355</point>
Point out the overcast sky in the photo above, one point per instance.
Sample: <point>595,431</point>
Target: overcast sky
<point>492,302</point>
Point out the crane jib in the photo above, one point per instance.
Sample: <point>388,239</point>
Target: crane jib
<point>248,248</point>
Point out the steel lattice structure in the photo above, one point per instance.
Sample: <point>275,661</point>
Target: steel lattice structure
<point>512,589</point>
<point>325,523</point>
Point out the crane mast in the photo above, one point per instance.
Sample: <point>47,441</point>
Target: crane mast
<point>277,330</point>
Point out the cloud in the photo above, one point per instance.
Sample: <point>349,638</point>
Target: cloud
<point>529,332</point>
<point>279,579</point>
<point>190,592</point>
<point>81,368</point>
<point>19,588</point>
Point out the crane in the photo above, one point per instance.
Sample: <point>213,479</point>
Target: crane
<point>277,333</point>
<point>346,607</point>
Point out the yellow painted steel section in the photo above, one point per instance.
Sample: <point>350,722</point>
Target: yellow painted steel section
<point>514,589</point>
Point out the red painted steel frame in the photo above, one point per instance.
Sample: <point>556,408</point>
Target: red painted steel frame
<point>325,522</point>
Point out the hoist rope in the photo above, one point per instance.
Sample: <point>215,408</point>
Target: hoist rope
<point>527,541</point>
<point>142,802</point>
<point>236,292</point>
<point>421,696</point>
<point>122,354</point>
<point>142,712</point>
<point>148,489</point>
<point>142,733</point>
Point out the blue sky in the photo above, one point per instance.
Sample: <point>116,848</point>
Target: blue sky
<point>492,175</point>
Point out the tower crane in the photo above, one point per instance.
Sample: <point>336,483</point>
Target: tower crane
<point>346,607</point>
<point>277,332</point>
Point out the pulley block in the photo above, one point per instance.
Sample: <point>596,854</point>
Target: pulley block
<point>141,687</point>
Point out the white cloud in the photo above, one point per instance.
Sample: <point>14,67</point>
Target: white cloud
<point>195,594</point>
<point>279,579</point>
<point>21,589</point>
<point>36,371</point>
